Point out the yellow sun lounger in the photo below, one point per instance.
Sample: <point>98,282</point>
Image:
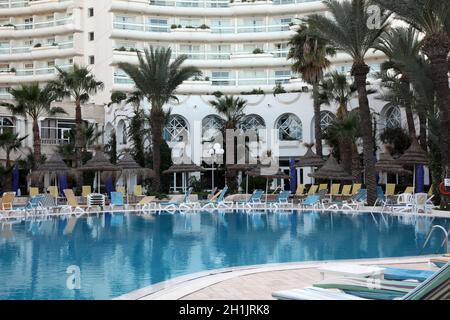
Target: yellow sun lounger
<point>409,190</point>
<point>323,186</point>
<point>390,189</point>
<point>313,189</point>
<point>300,190</point>
<point>335,187</point>
<point>121,189</point>
<point>346,190</point>
<point>53,190</point>
<point>138,190</point>
<point>86,190</point>
<point>356,188</point>
<point>33,191</point>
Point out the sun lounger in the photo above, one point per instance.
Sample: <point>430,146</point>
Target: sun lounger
<point>300,190</point>
<point>313,189</point>
<point>72,203</point>
<point>353,203</point>
<point>440,261</point>
<point>218,201</point>
<point>86,190</point>
<point>254,202</point>
<point>323,186</point>
<point>390,190</point>
<point>7,200</point>
<point>96,200</point>
<point>184,205</point>
<point>282,202</point>
<point>121,189</point>
<point>312,201</point>
<point>53,191</point>
<point>146,204</point>
<point>409,190</point>
<point>346,190</point>
<point>355,189</point>
<point>138,190</point>
<point>433,288</point>
<point>33,191</point>
<point>406,274</point>
<point>116,200</point>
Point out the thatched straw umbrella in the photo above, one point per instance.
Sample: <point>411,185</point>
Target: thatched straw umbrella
<point>55,166</point>
<point>99,164</point>
<point>258,172</point>
<point>415,155</point>
<point>244,167</point>
<point>331,170</point>
<point>389,165</point>
<point>309,159</point>
<point>184,169</point>
<point>130,167</point>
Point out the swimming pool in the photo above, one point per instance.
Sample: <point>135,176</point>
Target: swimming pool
<point>120,253</point>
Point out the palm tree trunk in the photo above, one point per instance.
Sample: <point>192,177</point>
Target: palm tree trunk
<point>317,128</point>
<point>437,48</point>
<point>36,141</point>
<point>345,153</point>
<point>8,177</point>
<point>157,122</point>
<point>78,134</point>
<point>360,71</point>
<point>423,130</point>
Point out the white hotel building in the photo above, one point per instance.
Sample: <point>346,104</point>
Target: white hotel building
<point>221,37</point>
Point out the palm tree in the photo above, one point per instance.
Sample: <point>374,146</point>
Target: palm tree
<point>432,18</point>
<point>34,102</point>
<point>79,84</point>
<point>10,142</point>
<point>310,54</point>
<point>335,88</point>
<point>346,28</point>
<point>401,46</point>
<point>232,109</point>
<point>157,78</point>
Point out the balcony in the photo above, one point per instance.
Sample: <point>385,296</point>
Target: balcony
<point>52,136</point>
<point>40,28</point>
<point>30,53</point>
<point>18,76</point>
<point>30,7</point>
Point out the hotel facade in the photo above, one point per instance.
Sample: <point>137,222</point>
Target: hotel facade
<point>240,46</point>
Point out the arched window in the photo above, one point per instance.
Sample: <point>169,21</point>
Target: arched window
<point>175,129</point>
<point>253,122</point>
<point>393,118</point>
<point>212,125</point>
<point>289,127</point>
<point>122,135</point>
<point>326,118</point>
<point>7,124</point>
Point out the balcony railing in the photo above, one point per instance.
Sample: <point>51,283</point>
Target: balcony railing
<point>165,28</point>
<point>5,4</point>
<point>40,71</point>
<point>215,3</point>
<point>54,136</point>
<point>43,24</point>
<point>12,50</point>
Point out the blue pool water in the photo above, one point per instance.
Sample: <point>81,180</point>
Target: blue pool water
<point>122,252</point>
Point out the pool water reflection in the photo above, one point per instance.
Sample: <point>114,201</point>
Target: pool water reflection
<point>123,252</point>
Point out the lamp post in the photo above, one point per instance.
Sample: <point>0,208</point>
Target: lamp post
<point>214,152</point>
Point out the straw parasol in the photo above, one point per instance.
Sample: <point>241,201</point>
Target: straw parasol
<point>183,169</point>
<point>130,167</point>
<point>54,166</point>
<point>99,163</point>
<point>331,170</point>
<point>258,172</point>
<point>415,155</point>
<point>388,164</point>
<point>309,159</point>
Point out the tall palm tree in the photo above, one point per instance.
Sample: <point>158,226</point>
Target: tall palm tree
<point>347,30</point>
<point>401,46</point>
<point>432,18</point>
<point>157,78</point>
<point>10,142</point>
<point>335,88</point>
<point>232,109</point>
<point>79,84</point>
<point>34,102</point>
<point>310,54</point>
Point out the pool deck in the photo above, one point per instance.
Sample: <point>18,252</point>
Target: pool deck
<point>255,282</point>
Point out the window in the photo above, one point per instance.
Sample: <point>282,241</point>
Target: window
<point>175,129</point>
<point>282,76</point>
<point>7,124</point>
<point>289,127</point>
<point>211,126</point>
<point>326,118</point>
<point>91,12</point>
<point>253,122</point>
<point>393,118</point>
<point>91,36</point>
<point>91,60</point>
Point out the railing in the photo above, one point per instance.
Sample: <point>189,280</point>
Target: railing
<point>40,71</point>
<point>215,4</point>
<point>54,136</point>
<point>165,28</point>
<point>43,24</point>
<point>445,244</point>
<point>12,50</point>
<point>6,4</point>
<point>124,79</point>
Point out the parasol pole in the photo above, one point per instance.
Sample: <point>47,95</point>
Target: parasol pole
<point>246,185</point>
<point>267,187</point>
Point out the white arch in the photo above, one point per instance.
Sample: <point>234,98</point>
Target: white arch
<point>289,127</point>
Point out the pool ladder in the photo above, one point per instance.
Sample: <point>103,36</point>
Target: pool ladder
<point>444,242</point>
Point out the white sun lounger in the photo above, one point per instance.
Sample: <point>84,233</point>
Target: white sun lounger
<point>312,293</point>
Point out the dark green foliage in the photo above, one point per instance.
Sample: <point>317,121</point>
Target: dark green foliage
<point>398,138</point>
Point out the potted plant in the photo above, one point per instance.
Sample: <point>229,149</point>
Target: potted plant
<point>173,26</point>
<point>258,51</point>
<point>37,45</point>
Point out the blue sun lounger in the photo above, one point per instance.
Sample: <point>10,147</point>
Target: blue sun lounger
<point>253,202</point>
<point>184,205</point>
<point>312,201</point>
<point>282,201</point>
<point>219,202</point>
<point>407,274</point>
<point>117,200</point>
